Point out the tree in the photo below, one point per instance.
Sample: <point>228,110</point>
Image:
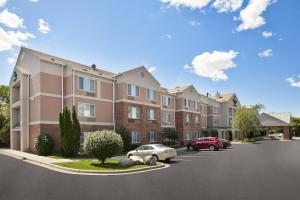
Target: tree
<point>125,134</point>
<point>76,131</point>
<point>44,144</point>
<point>4,115</point>
<point>296,125</point>
<point>170,135</point>
<point>66,133</point>
<point>103,144</point>
<point>246,119</point>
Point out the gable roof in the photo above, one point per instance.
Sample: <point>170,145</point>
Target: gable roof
<point>284,116</point>
<point>223,97</point>
<point>180,89</point>
<point>267,120</point>
<point>48,57</point>
<point>140,68</point>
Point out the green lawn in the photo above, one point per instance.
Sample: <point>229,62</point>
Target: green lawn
<point>109,165</point>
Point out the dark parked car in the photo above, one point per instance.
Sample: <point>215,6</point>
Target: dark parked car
<point>211,143</point>
<point>226,143</point>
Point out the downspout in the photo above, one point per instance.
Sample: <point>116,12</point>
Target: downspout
<point>28,112</point>
<point>62,87</point>
<point>73,90</point>
<point>114,80</point>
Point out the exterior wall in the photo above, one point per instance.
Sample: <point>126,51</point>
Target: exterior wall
<point>142,125</point>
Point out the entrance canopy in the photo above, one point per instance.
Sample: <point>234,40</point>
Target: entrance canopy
<point>268,120</point>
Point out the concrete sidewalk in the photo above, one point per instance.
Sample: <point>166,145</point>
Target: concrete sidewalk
<point>32,157</point>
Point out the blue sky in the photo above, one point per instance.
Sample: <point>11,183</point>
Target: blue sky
<point>249,47</point>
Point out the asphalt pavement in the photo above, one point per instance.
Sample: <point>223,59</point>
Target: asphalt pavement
<point>269,170</point>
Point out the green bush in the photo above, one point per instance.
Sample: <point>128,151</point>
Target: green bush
<point>44,144</point>
<point>125,134</point>
<point>103,144</point>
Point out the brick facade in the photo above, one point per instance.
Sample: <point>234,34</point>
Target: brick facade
<point>142,125</point>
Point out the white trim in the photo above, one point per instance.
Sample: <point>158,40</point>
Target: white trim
<point>190,111</point>
<point>167,109</point>
<point>81,123</point>
<point>136,102</point>
<point>16,104</point>
<point>167,126</point>
<point>69,96</point>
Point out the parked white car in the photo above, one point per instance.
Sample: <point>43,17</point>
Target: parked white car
<point>161,152</point>
<point>276,135</point>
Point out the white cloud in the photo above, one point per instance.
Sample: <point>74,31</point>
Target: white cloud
<point>11,60</point>
<point>167,36</point>
<point>213,65</point>
<point>34,1</point>
<point>43,26</point>
<point>266,34</point>
<point>227,5</point>
<point>11,20</point>
<point>266,53</point>
<point>8,39</point>
<point>251,16</point>
<point>194,23</point>
<point>293,82</point>
<point>2,3</point>
<point>193,4</point>
<point>151,69</point>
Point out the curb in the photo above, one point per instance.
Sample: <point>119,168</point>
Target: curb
<point>86,172</point>
<point>161,165</point>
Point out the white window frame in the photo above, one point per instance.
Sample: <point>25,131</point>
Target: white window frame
<point>134,92</point>
<point>186,103</point>
<point>134,112</point>
<point>166,101</point>
<point>187,118</point>
<point>152,136</point>
<point>151,114</point>
<point>151,95</point>
<point>167,118</point>
<point>135,137</point>
<point>197,105</point>
<point>87,81</point>
<point>84,111</point>
<point>197,119</point>
<point>187,136</point>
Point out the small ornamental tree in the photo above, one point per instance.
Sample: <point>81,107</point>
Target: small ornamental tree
<point>170,135</point>
<point>103,144</point>
<point>44,144</point>
<point>76,131</point>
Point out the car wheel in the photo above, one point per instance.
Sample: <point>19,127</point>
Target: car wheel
<point>211,148</point>
<point>129,155</point>
<point>188,147</point>
<point>168,159</point>
<point>155,156</point>
<point>224,147</point>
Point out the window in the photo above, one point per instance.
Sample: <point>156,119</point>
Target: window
<point>197,121</point>
<point>133,90</point>
<point>166,101</point>
<point>187,136</point>
<point>83,135</point>
<point>216,121</point>
<point>230,122</point>
<point>151,114</point>
<point>197,105</point>
<point>135,137</point>
<point>187,118</point>
<point>86,110</point>
<point>151,95</point>
<point>86,84</point>
<point>134,112</point>
<point>199,135</point>
<point>230,111</point>
<point>167,118</point>
<point>152,136</point>
<point>186,103</point>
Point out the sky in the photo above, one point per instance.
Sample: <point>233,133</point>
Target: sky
<point>250,47</point>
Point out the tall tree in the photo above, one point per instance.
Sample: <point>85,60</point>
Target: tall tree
<point>246,119</point>
<point>76,131</point>
<point>4,115</point>
<point>67,143</point>
<point>296,125</point>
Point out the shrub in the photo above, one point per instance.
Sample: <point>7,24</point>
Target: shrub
<point>103,144</point>
<point>125,134</point>
<point>170,135</point>
<point>44,144</point>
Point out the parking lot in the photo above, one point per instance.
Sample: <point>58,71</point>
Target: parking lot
<point>267,170</point>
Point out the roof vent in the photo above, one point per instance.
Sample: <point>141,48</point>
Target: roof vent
<point>94,66</point>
